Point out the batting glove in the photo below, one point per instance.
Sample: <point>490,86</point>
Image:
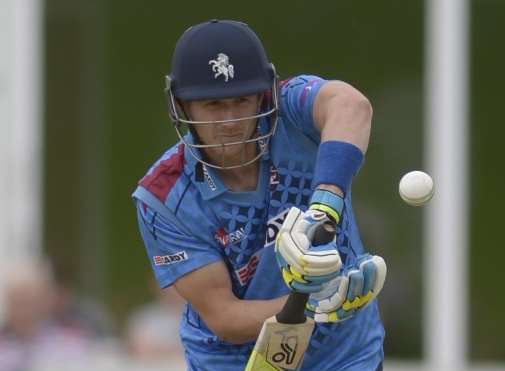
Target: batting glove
<point>305,267</point>
<point>350,292</point>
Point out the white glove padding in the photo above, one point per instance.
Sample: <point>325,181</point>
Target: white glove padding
<point>351,291</point>
<point>304,266</point>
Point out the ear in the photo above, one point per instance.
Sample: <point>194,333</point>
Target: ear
<point>261,99</point>
<point>265,100</point>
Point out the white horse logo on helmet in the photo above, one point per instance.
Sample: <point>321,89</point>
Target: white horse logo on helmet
<point>221,66</point>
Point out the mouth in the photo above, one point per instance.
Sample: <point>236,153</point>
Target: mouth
<point>231,137</point>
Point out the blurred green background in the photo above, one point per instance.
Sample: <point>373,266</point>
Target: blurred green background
<point>106,122</point>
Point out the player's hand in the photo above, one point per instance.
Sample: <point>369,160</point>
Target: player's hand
<point>305,267</point>
<point>348,293</point>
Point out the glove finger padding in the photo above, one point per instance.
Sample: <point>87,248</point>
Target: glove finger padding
<point>351,291</point>
<point>305,267</point>
<point>301,282</point>
<point>294,244</point>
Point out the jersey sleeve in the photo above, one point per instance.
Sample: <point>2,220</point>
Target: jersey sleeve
<point>171,252</point>
<point>297,102</point>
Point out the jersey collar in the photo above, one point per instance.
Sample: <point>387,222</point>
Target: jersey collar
<point>208,183</point>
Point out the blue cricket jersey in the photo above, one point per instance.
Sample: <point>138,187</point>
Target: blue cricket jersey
<point>189,221</point>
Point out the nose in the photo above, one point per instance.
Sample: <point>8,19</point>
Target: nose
<point>230,116</point>
<point>230,112</point>
<point>228,128</point>
<point>232,128</point>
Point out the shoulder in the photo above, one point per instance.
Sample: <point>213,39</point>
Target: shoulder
<point>303,85</point>
<point>344,91</point>
<point>167,174</point>
<point>299,82</point>
<point>297,94</point>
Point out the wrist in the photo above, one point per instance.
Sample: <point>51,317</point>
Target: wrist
<point>329,202</point>
<point>332,188</point>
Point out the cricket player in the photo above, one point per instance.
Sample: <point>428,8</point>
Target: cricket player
<point>228,213</point>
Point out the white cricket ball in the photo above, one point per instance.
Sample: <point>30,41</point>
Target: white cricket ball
<point>416,188</point>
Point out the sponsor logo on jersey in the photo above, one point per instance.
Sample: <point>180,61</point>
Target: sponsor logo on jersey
<point>208,178</point>
<point>245,273</point>
<point>225,238</point>
<point>262,142</point>
<point>273,227</point>
<point>274,177</point>
<point>170,259</point>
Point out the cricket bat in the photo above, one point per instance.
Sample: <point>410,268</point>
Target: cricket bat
<point>284,338</point>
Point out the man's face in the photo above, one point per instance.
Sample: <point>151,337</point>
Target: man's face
<point>223,133</point>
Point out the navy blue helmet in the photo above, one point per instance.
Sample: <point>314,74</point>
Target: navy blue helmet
<point>221,59</point>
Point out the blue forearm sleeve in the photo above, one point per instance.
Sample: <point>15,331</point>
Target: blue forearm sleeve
<point>337,162</point>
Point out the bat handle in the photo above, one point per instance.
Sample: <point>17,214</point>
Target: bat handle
<point>293,311</point>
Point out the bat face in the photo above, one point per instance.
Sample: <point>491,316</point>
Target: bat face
<point>280,346</point>
<point>285,337</point>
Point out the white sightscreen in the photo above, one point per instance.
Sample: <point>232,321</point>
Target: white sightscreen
<point>20,130</point>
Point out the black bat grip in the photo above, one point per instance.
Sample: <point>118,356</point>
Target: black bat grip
<point>293,311</point>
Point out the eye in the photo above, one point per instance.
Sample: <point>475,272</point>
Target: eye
<point>212,103</point>
<point>243,100</point>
